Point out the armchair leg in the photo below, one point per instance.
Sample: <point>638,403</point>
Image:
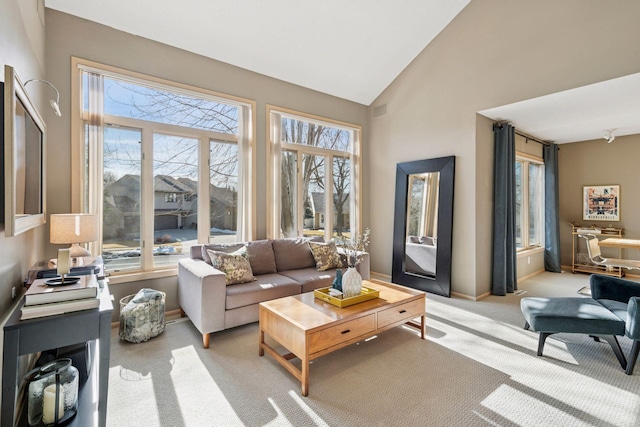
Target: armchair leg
<point>541,340</point>
<point>526,326</point>
<point>205,340</point>
<point>633,356</point>
<point>615,346</point>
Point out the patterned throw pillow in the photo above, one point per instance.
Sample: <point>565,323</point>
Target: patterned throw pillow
<point>234,265</point>
<point>326,255</point>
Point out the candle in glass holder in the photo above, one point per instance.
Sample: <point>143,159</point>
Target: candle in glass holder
<point>49,404</point>
<point>63,262</point>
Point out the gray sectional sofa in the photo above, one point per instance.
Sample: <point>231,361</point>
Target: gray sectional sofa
<point>281,267</point>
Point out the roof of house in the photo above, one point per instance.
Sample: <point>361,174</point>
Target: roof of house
<point>317,201</point>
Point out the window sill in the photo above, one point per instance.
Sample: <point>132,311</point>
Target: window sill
<point>141,275</point>
<point>532,251</point>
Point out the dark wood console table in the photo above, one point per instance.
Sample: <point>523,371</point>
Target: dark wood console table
<point>34,335</point>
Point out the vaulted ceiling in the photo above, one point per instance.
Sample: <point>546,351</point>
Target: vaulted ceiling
<point>351,49</point>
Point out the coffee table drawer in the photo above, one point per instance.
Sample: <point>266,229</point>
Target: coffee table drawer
<point>400,312</point>
<point>340,333</point>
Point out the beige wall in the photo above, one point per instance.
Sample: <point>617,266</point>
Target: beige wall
<point>599,163</point>
<point>495,52</point>
<point>71,36</point>
<point>22,47</point>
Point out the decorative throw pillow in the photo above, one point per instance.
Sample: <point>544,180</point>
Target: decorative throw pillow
<point>234,265</point>
<point>220,247</point>
<point>293,254</point>
<point>326,255</point>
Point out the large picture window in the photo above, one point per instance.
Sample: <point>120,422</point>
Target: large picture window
<point>314,178</point>
<point>165,166</point>
<point>529,202</point>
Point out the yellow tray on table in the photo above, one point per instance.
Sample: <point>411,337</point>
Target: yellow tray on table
<point>365,295</point>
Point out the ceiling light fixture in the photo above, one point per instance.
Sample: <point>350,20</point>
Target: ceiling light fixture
<point>54,104</point>
<point>609,136</point>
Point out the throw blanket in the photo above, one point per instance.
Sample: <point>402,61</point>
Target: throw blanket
<point>143,316</point>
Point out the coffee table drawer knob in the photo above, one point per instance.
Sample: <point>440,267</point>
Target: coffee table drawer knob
<point>346,332</point>
<point>402,311</point>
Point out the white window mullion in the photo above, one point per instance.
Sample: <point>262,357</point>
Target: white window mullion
<point>355,198</point>
<point>204,196</point>
<point>245,166</point>
<point>274,173</point>
<point>147,195</point>
<point>328,197</point>
<point>299,194</point>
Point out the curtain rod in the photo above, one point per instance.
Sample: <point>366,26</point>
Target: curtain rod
<point>524,135</point>
<point>530,138</point>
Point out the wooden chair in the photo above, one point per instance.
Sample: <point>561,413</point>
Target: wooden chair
<point>593,247</point>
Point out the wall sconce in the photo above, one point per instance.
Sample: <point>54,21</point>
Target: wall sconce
<point>54,104</point>
<point>74,228</point>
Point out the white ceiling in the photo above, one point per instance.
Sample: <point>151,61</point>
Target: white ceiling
<point>580,114</point>
<point>351,49</point>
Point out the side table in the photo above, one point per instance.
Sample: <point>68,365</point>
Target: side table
<point>45,333</point>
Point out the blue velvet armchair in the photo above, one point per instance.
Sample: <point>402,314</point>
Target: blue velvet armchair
<point>621,297</point>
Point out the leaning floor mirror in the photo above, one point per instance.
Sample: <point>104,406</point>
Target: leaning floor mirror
<point>423,225</point>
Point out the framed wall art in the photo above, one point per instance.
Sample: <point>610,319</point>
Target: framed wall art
<point>601,202</point>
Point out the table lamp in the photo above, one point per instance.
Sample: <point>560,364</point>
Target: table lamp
<point>74,228</point>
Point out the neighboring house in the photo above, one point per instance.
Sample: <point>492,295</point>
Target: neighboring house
<point>317,207</point>
<point>175,205</point>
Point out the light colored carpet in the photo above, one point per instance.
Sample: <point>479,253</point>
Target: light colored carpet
<point>478,367</point>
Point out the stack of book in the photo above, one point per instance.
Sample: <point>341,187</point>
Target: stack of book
<point>42,300</point>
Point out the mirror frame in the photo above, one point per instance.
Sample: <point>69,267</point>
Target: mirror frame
<point>14,92</point>
<point>441,283</point>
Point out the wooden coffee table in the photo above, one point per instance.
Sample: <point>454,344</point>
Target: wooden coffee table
<point>308,327</point>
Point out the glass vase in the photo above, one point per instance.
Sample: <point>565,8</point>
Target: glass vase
<point>337,282</point>
<point>351,282</point>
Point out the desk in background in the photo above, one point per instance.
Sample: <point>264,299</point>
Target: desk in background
<point>613,242</point>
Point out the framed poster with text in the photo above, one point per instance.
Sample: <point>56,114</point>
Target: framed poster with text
<point>601,202</point>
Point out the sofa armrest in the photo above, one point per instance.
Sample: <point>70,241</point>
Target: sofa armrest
<point>613,288</point>
<point>202,293</point>
<point>633,318</point>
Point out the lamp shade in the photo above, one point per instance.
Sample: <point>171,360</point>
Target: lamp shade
<point>73,228</point>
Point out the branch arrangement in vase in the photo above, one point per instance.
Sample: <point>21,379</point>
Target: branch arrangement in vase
<point>354,248</point>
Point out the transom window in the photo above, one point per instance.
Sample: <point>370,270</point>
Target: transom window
<point>164,165</point>
<point>314,181</point>
<point>529,202</point>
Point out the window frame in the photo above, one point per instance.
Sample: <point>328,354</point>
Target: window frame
<point>245,139</point>
<point>275,146</point>
<point>526,160</point>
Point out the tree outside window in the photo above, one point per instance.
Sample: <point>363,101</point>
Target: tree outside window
<point>173,127</point>
<point>316,177</point>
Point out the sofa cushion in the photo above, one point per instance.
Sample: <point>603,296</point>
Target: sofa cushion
<point>292,254</point>
<point>571,315</point>
<point>426,240</point>
<point>235,265</point>
<point>220,247</point>
<point>326,255</point>
<point>616,307</point>
<point>261,257</point>
<point>310,278</point>
<point>265,288</point>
